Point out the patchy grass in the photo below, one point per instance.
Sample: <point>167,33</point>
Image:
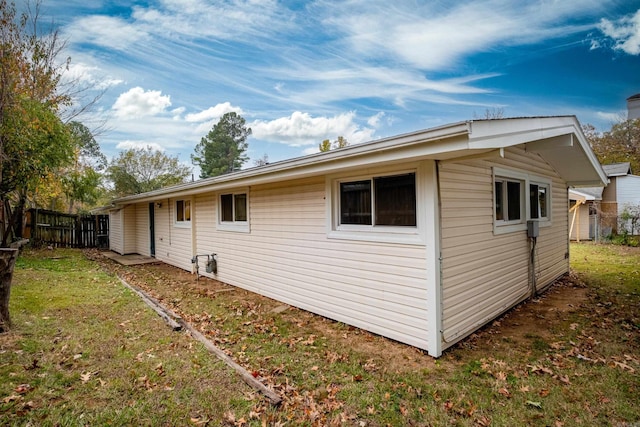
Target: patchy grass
<point>84,351</point>
<point>569,357</point>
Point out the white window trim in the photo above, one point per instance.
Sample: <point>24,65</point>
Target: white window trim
<point>182,224</point>
<point>382,233</point>
<point>544,221</point>
<point>503,227</point>
<point>234,226</point>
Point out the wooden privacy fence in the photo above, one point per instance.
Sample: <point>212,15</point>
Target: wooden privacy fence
<point>67,230</point>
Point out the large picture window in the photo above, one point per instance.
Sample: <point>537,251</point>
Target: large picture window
<point>379,201</point>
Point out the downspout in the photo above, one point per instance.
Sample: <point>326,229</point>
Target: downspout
<point>439,248</point>
<point>170,219</point>
<point>433,257</point>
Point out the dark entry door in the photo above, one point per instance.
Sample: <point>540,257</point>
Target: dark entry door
<point>152,234</point>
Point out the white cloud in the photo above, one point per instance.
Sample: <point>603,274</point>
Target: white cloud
<point>106,31</point>
<point>301,129</point>
<point>88,76</point>
<point>177,113</point>
<point>612,117</point>
<point>127,145</point>
<point>138,103</point>
<point>213,113</point>
<point>625,33</point>
<point>374,121</point>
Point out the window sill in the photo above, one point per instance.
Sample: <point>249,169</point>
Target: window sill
<point>184,224</point>
<point>408,237</point>
<point>514,228</point>
<point>234,227</point>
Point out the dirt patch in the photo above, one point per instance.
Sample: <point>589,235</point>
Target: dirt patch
<point>538,318</point>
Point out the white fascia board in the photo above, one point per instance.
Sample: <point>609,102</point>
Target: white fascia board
<point>425,144</point>
<point>510,132</point>
<point>577,195</point>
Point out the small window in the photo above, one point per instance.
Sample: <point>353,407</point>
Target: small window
<point>508,199</point>
<point>538,201</point>
<point>233,207</point>
<point>183,211</point>
<point>519,197</point>
<point>379,201</point>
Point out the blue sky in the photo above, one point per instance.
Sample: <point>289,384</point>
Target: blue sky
<point>300,72</point>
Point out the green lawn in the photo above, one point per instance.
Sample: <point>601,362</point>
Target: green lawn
<point>86,351</point>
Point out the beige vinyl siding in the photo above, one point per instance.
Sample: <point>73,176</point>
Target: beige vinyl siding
<point>173,243</point>
<point>115,231</point>
<point>485,273</point>
<point>129,229</point>
<point>143,245</point>
<point>287,256</point>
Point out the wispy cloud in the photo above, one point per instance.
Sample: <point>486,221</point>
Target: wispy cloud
<point>221,19</point>
<point>303,72</point>
<point>437,35</point>
<point>106,31</point>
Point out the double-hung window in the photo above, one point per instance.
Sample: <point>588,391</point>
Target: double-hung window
<point>183,212</point>
<point>538,201</point>
<point>519,197</point>
<point>233,212</point>
<point>508,199</point>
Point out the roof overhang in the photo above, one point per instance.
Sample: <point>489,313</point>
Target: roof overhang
<point>559,140</point>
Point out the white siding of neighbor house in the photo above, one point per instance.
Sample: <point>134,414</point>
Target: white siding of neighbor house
<point>484,273</point>
<point>143,244</point>
<point>115,231</point>
<point>628,193</point>
<point>580,229</point>
<point>129,229</point>
<point>288,256</point>
<point>173,241</point>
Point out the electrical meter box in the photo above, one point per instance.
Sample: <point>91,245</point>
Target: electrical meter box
<point>533,228</point>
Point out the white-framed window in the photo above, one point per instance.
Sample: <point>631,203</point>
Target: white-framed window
<point>382,206</point>
<point>233,211</point>
<point>379,201</point>
<point>539,195</point>
<point>509,199</point>
<point>183,212</point>
<point>519,197</point>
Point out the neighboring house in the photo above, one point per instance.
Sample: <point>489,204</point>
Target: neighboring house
<point>633,107</point>
<point>422,237</point>
<point>584,217</point>
<point>622,193</point>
